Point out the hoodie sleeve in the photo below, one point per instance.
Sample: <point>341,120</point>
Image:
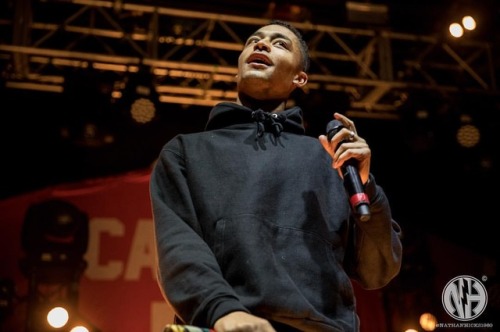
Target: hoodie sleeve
<point>376,255</point>
<point>188,273</point>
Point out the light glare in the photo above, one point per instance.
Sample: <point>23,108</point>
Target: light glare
<point>456,30</point>
<point>469,23</point>
<point>57,317</point>
<point>428,321</point>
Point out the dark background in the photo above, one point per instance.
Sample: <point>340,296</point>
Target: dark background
<point>434,184</point>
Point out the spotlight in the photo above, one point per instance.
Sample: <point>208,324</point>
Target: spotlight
<point>456,30</point>
<point>140,97</point>
<point>469,23</point>
<point>55,239</point>
<point>142,110</point>
<point>55,232</point>
<point>428,321</point>
<point>67,319</point>
<point>468,135</point>
<point>58,317</point>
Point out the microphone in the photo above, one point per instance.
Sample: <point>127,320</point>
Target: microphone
<point>352,182</point>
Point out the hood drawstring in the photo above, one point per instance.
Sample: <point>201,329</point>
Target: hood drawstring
<point>274,121</point>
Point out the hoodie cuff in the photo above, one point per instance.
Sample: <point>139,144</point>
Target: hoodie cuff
<point>371,188</point>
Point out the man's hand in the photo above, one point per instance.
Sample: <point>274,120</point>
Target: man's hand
<point>240,321</point>
<point>353,146</point>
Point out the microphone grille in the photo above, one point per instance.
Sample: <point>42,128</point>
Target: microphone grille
<point>333,127</point>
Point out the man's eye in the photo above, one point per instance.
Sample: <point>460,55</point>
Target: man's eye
<point>281,43</point>
<point>252,40</point>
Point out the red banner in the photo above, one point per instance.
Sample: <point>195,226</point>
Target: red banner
<point>119,290</point>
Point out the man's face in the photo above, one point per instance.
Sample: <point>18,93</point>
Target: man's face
<point>270,66</point>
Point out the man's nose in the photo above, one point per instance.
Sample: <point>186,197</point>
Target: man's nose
<point>263,44</point>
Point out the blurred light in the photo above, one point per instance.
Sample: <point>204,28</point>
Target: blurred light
<point>468,22</point>
<point>456,30</point>
<point>118,88</point>
<point>468,135</point>
<point>428,321</point>
<point>411,330</point>
<point>422,114</point>
<point>116,94</point>
<point>78,324</point>
<point>58,317</point>
<point>112,67</point>
<point>160,71</point>
<point>369,13</point>
<point>143,110</point>
<point>34,86</point>
<point>7,295</point>
<point>90,135</point>
<point>139,97</point>
<point>287,11</point>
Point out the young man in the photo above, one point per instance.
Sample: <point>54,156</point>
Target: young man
<point>253,225</point>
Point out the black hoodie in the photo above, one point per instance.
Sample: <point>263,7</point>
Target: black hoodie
<point>250,216</point>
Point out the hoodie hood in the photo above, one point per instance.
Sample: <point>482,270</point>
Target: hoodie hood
<point>227,114</point>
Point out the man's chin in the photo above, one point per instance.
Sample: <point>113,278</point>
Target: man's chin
<point>254,80</point>
<point>255,74</point>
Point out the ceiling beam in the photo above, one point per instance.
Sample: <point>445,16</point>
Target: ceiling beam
<point>204,50</point>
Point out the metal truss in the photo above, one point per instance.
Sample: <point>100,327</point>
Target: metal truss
<point>193,55</point>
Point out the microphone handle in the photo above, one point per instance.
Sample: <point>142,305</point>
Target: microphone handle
<point>358,199</point>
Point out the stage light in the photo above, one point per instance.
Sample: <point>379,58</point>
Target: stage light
<point>456,30</point>
<point>139,96</point>
<point>79,329</point>
<point>58,317</point>
<point>143,110</point>
<point>55,239</point>
<point>469,23</point>
<point>65,317</point>
<point>468,135</point>
<point>55,232</point>
<point>428,321</point>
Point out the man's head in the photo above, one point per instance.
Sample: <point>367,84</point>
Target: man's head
<point>304,49</point>
<point>271,65</point>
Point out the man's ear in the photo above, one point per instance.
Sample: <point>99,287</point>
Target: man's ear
<point>300,79</point>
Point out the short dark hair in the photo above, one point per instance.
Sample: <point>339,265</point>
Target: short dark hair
<point>304,49</point>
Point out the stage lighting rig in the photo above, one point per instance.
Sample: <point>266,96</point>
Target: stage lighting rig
<point>54,239</point>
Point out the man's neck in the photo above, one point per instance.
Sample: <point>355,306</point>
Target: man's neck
<point>265,105</point>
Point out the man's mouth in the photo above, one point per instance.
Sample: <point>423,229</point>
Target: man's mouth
<point>260,59</point>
